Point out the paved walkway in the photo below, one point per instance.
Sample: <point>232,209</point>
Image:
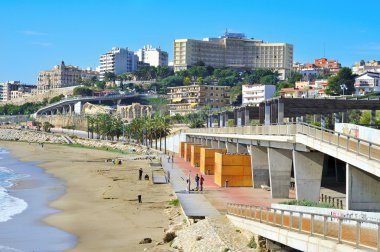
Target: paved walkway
<point>220,196</point>
<point>194,204</point>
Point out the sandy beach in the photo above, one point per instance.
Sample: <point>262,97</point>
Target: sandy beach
<point>100,204</point>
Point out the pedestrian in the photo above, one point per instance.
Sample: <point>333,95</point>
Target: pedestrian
<point>168,159</point>
<point>202,179</point>
<point>197,181</point>
<point>140,173</point>
<point>173,158</point>
<point>42,145</point>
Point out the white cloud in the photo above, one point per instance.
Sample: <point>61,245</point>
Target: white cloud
<point>32,33</point>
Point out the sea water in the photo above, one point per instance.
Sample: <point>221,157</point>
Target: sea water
<point>9,205</point>
<point>22,209</point>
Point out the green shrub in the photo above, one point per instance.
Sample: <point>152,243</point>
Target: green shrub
<point>174,202</point>
<point>252,243</point>
<point>308,203</point>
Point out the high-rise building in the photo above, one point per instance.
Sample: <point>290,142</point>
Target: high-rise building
<point>117,61</point>
<point>152,56</point>
<point>254,94</point>
<point>233,50</point>
<point>63,76</point>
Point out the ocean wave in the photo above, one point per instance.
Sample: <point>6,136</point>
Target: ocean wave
<point>10,205</point>
<point>8,249</point>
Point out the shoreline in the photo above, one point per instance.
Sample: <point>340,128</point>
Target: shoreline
<point>99,203</point>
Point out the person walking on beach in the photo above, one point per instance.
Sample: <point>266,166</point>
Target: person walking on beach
<point>197,181</point>
<point>201,181</point>
<point>140,173</point>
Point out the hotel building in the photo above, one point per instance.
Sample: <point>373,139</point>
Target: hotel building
<point>188,99</point>
<point>234,50</point>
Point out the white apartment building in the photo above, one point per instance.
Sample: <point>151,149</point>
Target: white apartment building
<point>117,61</point>
<point>367,82</point>
<point>254,94</point>
<point>234,50</point>
<point>152,56</point>
<point>14,89</point>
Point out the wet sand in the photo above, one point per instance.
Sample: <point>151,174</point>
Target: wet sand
<point>100,202</point>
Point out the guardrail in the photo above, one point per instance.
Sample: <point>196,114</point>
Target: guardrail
<point>356,232</point>
<point>356,145</point>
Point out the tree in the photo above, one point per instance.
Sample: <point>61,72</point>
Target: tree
<point>344,76</point>
<point>109,76</point>
<point>186,81</point>
<point>83,91</point>
<point>47,126</point>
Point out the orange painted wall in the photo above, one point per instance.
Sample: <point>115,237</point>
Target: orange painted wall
<point>233,167</point>
<point>182,149</point>
<point>187,151</point>
<point>195,155</point>
<point>207,159</point>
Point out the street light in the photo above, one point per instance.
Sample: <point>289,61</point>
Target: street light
<point>343,87</point>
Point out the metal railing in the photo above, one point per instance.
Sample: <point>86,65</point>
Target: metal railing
<point>353,144</point>
<point>356,232</point>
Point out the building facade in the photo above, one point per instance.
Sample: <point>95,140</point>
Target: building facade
<point>11,90</point>
<point>369,66</point>
<point>63,76</point>
<point>117,61</point>
<point>254,94</point>
<point>136,110</point>
<point>188,99</point>
<point>332,65</point>
<point>152,56</point>
<point>233,50</point>
<point>367,82</point>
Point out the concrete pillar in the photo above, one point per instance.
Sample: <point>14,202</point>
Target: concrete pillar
<point>231,147</point>
<point>267,120</point>
<point>330,120</point>
<point>308,168</point>
<point>373,116</point>
<point>241,148</point>
<point>260,166</point>
<point>214,144</point>
<point>280,168</point>
<point>336,118</point>
<point>323,122</point>
<point>345,117</point>
<point>280,114</point>
<point>362,192</point>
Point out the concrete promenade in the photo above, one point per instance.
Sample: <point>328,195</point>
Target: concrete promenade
<point>194,204</point>
<point>217,196</point>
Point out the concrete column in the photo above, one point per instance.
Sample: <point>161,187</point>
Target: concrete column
<point>308,168</point>
<point>221,121</point>
<point>345,117</point>
<point>267,120</point>
<point>323,122</point>
<point>260,166</point>
<point>373,116</point>
<point>362,192</point>
<point>214,144</point>
<point>241,148</point>
<point>231,147</point>
<point>280,168</point>
<point>280,114</point>
<point>336,118</point>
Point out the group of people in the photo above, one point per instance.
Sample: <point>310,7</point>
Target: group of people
<point>199,182</point>
<point>146,177</point>
<point>169,158</point>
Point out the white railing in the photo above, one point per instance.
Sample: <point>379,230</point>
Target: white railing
<point>356,232</point>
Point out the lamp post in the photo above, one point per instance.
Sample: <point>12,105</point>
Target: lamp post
<point>123,133</point>
<point>343,87</point>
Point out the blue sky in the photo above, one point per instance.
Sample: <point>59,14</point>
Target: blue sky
<point>36,35</point>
